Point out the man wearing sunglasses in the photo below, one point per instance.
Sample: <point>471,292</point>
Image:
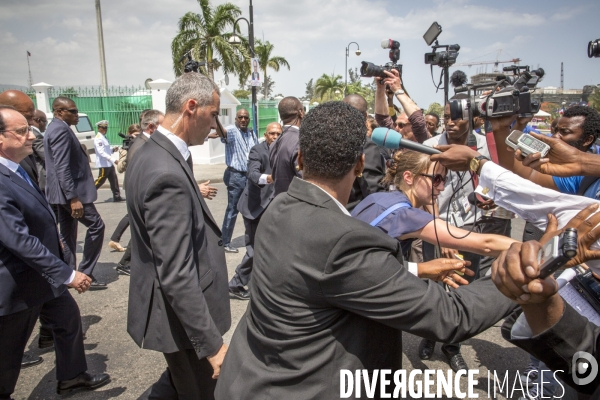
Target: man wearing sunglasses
<point>240,139</point>
<point>70,185</point>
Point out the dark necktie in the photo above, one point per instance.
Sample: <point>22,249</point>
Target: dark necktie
<point>190,163</point>
<point>24,175</point>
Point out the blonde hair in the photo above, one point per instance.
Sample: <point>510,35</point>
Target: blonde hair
<point>408,160</point>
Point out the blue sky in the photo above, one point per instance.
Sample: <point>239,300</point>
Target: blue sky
<point>311,34</point>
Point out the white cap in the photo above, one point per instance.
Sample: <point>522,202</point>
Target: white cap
<point>103,122</point>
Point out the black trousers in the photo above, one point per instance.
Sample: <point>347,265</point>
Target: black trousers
<point>120,229</point>
<point>111,174</point>
<point>62,315</point>
<point>191,377</point>
<point>498,226</point>
<point>93,238</point>
<point>126,259</point>
<point>243,271</point>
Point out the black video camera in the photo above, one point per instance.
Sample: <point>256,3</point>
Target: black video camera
<point>443,58</point>
<point>369,70</point>
<point>525,81</point>
<point>191,65</point>
<point>594,48</point>
<point>511,95</point>
<point>126,141</point>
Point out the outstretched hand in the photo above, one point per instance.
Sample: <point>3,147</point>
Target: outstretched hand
<point>446,270</point>
<point>562,159</point>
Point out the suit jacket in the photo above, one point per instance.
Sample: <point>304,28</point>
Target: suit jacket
<point>557,345</point>
<point>256,197</point>
<point>40,157</point>
<point>179,298</point>
<point>29,165</point>
<point>284,159</point>
<point>373,173</point>
<point>330,292</point>
<point>68,172</point>
<point>32,271</point>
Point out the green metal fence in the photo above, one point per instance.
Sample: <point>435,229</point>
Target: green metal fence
<point>267,113</point>
<point>120,106</point>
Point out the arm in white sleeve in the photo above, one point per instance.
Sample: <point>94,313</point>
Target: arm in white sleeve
<point>263,179</point>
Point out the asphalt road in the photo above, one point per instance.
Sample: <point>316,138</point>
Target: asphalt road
<point>110,349</point>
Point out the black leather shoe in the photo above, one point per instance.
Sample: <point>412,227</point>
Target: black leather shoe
<point>240,294</point>
<point>97,285</point>
<point>230,249</point>
<point>30,361</point>
<point>83,381</point>
<point>426,348</point>
<point>117,199</point>
<point>123,269</point>
<point>456,360</point>
<point>45,342</point>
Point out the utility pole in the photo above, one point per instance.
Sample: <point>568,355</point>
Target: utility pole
<point>104,81</point>
<point>29,68</point>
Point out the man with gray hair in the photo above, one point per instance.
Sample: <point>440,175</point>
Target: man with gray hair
<point>178,301</point>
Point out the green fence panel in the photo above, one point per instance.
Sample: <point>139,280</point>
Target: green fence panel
<point>120,106</point>
<point>267,113</point>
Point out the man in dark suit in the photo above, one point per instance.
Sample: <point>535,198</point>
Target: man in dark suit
<point>33,275</point>
<point>330,292</point>
<point>256,197</point>
<point>70,185</point>
<point>284,151</point>
<point>178,299</point>
<point>374,171</point>
<point>39,127</point>
<point>24,105</point>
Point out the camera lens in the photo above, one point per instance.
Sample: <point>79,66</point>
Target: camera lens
<point>368,70</point>
<point>594,48</point>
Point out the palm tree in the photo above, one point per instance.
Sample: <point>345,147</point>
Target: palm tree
<point>265,60</point>
<point>594,99</point>
<point>206,35</point>
<point>329,84</point>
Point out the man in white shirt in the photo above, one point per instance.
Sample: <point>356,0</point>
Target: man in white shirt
<point>104,161</point>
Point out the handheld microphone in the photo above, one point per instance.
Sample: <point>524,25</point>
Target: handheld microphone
<point>390,139</point>
<point>123,136</point>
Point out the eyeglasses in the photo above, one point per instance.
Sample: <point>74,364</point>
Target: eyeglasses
<point>243,117</point>
<point>436,179</point>
<point>20,132</point>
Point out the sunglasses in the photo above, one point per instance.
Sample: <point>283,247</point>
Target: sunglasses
<point>436,179</point>
<point>243,117</point>
<point>71,110</point>
<point>20,132</point>
<point>103,126</point>
<point>402,124</point>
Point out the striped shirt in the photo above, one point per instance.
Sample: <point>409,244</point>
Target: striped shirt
<point>237,147</point>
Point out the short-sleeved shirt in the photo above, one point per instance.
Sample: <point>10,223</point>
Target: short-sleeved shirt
<point>399,222</point>
<point>571,185</point>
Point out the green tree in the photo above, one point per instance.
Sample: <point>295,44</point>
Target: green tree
<point>205,36</point>
<point>435,108</point>
<point>594,99</point>
<point>266,60</point>
<point>329,85</point>
<point>309,94</point>
<point>241,94</point>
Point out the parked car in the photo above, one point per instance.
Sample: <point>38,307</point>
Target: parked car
<point>83,130</point>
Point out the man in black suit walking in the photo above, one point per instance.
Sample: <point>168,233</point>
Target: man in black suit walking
<point>256,197</point>
<point>70,185</point>
<point>178,301</point>
<point>33,275</point>
<point>284,152</point>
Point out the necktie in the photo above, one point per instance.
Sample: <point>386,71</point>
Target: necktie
<point>24,175</point>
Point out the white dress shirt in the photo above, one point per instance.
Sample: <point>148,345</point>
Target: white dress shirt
<point>11,165</point>
<point>177,141</point>
<point>103,152</point>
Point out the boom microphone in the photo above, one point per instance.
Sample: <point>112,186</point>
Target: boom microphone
<point>458,78</point>
<point>390,139</point>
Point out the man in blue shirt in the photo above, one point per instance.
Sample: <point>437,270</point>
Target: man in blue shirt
<point>579,127</point>
<point>240,139</point>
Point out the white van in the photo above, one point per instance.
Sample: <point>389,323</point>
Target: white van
<point>83,130</point>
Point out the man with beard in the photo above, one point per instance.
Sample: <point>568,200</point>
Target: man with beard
<point>578,127</point>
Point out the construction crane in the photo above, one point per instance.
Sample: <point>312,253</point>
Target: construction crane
<point>469,64</point>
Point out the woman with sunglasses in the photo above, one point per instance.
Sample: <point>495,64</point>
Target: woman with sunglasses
<point>418,182</point>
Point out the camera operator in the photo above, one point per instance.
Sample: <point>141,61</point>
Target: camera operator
<point>413,127</point>
<point>579,127</point>
<point>549,328</point>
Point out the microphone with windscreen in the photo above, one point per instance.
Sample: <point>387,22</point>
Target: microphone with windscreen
<point>390,139</point>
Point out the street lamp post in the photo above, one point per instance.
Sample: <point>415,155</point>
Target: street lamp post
<point>235,40</point>
<point>346,69</point>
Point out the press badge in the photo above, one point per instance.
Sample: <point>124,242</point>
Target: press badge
<point>457,219</point>
<point>464,202</point>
